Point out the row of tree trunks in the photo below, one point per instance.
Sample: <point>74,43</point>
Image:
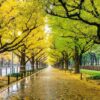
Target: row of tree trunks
<point>64,63</point>
<point>65,60</point>
<point>35,64</point>
<point>78,60</point>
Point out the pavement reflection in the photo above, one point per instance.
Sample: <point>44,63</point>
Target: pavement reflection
<point>50,84</point>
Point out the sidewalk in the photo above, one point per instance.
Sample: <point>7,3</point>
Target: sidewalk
<point>53,84</point>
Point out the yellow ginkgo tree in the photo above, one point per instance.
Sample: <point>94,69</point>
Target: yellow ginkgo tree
<point>17,20</point>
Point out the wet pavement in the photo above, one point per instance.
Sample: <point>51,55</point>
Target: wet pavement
<point>50,84</point>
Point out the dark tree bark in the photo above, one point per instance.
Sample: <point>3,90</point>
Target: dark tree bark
<point>80,57</point>
<point>23,61</point>
<point>66,61</point>
<point>37,64</point>
<point>32,62</point>
<point>77,60</point>
<point>62,63</point>
<point>2,61</point>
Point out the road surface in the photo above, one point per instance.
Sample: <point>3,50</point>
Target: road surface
<point>50,84</point>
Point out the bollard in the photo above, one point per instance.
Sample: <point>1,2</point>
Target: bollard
<point>24,74</point>
<point>87,79</point>
<point>30,72</point>
<point>17,77</point>
<point>81,76</point>
<point>70,70</point>
<point>8,79</point>
<point>27,73</point>
<point>21,75</point>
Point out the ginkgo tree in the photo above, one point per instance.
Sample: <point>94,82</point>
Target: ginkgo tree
<point>86,11</point>
<point>21,29</point>
<point>71,40</point>
<point>17,20</point>
<point>37,49</point>
<point>33,49</point>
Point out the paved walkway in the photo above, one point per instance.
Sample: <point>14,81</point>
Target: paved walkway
<point>51,84</point>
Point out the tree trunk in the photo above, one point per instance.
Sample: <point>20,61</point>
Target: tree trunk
<point>77,60</point>
<point>66,62</point>
<point>2,62</point>
<point>98,33</point>
<point>63,61</point>
<point>32,63</point>
<point>37,65</point>
<point>80,58</point>
<point>23,61</point>
<point>62,64</point>
<point>40,64</point>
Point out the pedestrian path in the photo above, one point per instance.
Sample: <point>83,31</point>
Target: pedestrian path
<point>51,84</point>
